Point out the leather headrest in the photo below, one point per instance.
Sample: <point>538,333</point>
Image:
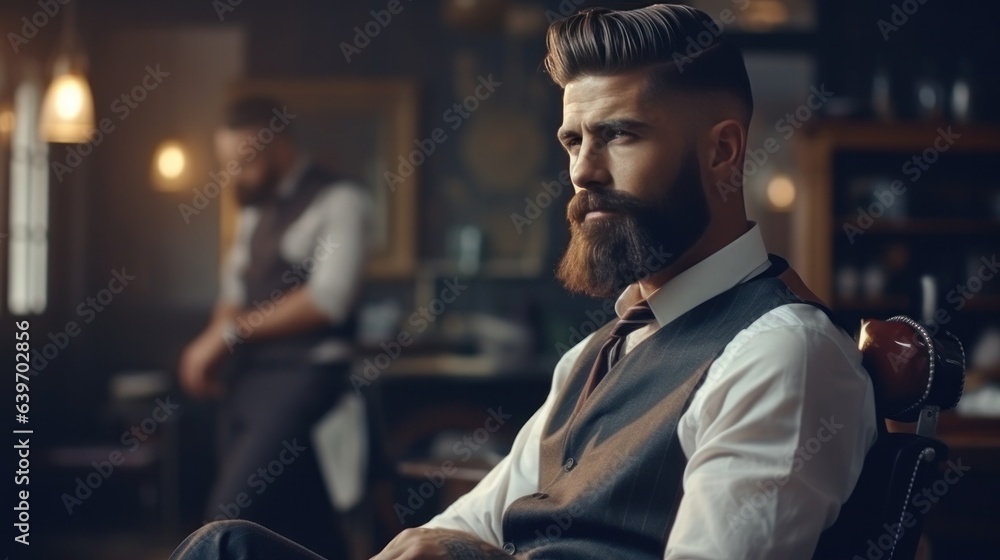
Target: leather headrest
<point>911,368</point>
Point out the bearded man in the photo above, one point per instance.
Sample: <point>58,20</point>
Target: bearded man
<point>722,415</point>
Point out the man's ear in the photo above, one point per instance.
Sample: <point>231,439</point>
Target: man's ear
<point>728,140</point>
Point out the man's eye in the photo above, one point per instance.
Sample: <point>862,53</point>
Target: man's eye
<point>620,134</point>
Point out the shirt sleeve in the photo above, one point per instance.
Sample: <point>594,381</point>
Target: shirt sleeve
<point>231,291</point>
<point>775,446</point>
<point>340,250</point>
<point>480,512</point>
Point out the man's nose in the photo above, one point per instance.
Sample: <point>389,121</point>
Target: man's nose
<point>589,169</point>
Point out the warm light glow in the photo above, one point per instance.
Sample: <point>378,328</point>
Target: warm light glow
<point>864,339</point>
<point>170,162</point>
<point>170,166</point>
<point>68,110</point>
<point>69,97</point>
<point>781,193</point>
<point>6,122</point>
<point>763,15</point>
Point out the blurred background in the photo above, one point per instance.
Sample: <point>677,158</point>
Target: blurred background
<point>871,167</point>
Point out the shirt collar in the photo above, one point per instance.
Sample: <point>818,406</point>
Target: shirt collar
<point>291,179</point>
<point>735,263</point>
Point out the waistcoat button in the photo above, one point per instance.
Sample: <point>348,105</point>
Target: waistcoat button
<point>568,465</point>
<point>509,548</point>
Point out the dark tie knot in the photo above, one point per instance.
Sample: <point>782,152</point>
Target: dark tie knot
<point>635,317</point>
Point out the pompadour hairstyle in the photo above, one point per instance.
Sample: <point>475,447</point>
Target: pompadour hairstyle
<point>682,45</point>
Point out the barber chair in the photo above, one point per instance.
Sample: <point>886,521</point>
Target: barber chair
<point>916,373</point>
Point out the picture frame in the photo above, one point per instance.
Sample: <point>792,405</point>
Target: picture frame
<point>358,128</point>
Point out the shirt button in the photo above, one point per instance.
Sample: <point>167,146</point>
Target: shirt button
<point>568,465</point>
<point>509,548</point>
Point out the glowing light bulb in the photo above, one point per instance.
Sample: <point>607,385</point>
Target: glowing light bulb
<point>171,161</point>
<point>69,96</point>
<point>781,192</point>
<point>170,166</point>
<point>67,114</point>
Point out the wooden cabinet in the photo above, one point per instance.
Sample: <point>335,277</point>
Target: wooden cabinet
<point>882,204</point>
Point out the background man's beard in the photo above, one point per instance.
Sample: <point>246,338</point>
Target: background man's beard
<point>260,193</point>
<point>608,253</point>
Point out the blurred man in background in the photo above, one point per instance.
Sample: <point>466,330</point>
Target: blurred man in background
<point>278,346</point>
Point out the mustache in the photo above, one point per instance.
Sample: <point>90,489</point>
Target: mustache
<point>585,202</point>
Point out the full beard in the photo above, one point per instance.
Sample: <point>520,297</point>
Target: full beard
<point>608,253</point>
<point>255,195</point>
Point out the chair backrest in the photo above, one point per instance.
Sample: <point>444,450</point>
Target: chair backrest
<point>916,372</point>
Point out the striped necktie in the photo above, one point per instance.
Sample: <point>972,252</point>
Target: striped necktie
<point>635,317</point>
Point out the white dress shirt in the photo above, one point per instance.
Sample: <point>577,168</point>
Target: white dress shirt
<point>775,437</point>
<point>331,238</point>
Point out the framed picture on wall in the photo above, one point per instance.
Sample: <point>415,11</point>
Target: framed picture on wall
<point>359,129</point>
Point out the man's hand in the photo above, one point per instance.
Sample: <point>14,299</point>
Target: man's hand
<point>201,363</point>
<point>438,544</point>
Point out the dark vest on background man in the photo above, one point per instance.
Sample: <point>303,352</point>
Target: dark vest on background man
<point>611,472</point>
<point>269,276</point>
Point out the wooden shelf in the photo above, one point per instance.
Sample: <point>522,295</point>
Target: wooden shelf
<point>983,302</point>
<point>903,136</point>
<point>923,226</point>
<point>885,303</point>
<point>818,231</point>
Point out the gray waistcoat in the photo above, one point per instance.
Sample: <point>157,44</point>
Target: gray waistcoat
<point>269,273</point>
<point>610,480</point>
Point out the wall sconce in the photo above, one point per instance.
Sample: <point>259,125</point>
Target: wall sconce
<point>781,193</point>
<point>67,114</point>
<point>170,166</point>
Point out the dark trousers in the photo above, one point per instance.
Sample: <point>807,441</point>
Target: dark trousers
<point>241,540</point>
<point>268,471</point>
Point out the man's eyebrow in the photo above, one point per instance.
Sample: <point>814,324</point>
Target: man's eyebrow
<point>607,124</point>
<point>619,123</point>
<point>564,134</point>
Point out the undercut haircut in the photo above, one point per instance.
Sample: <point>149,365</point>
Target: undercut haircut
<point>682,46</point>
